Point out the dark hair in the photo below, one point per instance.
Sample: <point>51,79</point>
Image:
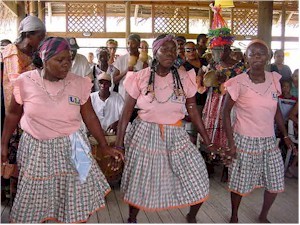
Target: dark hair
<point>189,42</point>
<point>37,61</point>
<point>178,87</point>
<point>277,51</point>
<point>182,38</point>
<point>200,36</point>
<point>5,42</point>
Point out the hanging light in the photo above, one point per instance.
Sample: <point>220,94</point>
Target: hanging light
<point>224,3</point>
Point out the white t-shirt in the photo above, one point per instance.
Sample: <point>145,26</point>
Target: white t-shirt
<point>122,65</point>
<point>108,111</point>
<point>81,66</point>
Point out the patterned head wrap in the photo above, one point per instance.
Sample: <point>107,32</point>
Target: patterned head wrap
<point>52,46</point>
<point>159,42</point>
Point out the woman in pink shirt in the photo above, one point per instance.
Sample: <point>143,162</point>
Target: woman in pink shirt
<point>163,168</point>
<point>58,179</point>
<point>251,139</point>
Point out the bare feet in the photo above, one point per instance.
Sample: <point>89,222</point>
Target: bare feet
<point>234,220</point>
<point>191,219</point>
<point>263,220</point>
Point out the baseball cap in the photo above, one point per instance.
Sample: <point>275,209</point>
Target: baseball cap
<point>73,44</point>
<point>104,76</point>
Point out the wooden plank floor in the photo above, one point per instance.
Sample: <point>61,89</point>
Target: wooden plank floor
<point>215,210</point>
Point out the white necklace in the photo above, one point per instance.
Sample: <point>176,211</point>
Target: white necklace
<point>53,97</point>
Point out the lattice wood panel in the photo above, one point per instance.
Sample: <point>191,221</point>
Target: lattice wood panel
<point>85,17</point>
<point>245,22</point>
<point>170,19</point>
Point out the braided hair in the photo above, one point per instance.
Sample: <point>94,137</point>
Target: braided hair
<point>177,84</point>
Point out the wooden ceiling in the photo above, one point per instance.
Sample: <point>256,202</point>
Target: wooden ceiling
<point>197,9</point>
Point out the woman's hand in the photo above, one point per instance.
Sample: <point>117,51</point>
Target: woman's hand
<point>213,151</point>
<point>117,157</point>
<point>4,154</point>
<point>290,145</point>
<point>228,155</point>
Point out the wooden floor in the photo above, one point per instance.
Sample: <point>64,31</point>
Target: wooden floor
<point>215,210</point>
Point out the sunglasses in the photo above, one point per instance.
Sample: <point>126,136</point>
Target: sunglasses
<point>189,49</point>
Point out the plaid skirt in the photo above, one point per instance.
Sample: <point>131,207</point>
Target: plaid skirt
<point>259,164</point>
<point>49,187</point>
<point>162,172</point>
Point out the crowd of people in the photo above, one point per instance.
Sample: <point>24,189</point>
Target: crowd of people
<point>157,106</point>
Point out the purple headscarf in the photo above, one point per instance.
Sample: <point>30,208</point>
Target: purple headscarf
<point>52,46</point>
<point>159,42</point>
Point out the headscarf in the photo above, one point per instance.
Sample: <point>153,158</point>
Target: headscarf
<point>258,41</point>
<point>52,46</point>
<point>31,23</point>
<point>134,37</point>
<point>159,42</point>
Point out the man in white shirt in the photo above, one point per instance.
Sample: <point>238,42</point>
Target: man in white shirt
<point>80,64</point>
<point>128,62</point>
<point>107,105</point>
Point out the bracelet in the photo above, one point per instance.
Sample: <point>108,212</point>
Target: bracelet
<point>119,147</point>
<point>210,145</point>
<point>285,137</point>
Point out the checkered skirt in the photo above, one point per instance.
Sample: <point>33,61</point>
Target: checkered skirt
<point>259,164</point>
<point>162,173</point>
<point>49,187</point>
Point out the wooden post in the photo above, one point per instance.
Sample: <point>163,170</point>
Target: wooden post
<point>127,16</point>
<point>33,8</point>
<point>210,17</point>
<point>41,11</point>
<point>265,17</point>
<point>21,12</point>
<point>283,19</point>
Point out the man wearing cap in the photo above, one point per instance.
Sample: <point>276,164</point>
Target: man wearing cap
<point>128,62</point>
<point>80,64</point>
<point>102,55</point>
<point>107,105</point>
<point>181,40</point>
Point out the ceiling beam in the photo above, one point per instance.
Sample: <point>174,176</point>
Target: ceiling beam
<point>11,6</point>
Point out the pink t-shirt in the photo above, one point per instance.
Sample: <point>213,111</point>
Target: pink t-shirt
<point>165,109</point>
<point>255,104</point>
<point>44,117</point>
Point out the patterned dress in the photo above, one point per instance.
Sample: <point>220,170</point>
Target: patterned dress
<point>259,162</point>
<point>51,186</point>
<point>163,169</point>
<point>212,116</point>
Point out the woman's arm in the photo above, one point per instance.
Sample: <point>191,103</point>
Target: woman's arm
<point>92,123</point>
<point>280,124</point>
<point>11,121</point>
<point>194,115</point>
<point>124,120</point>
<point>228,104</point>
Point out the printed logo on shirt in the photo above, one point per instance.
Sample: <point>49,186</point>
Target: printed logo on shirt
<point>275,96</point>
<point>178,99</point>
<point>73,100</point>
